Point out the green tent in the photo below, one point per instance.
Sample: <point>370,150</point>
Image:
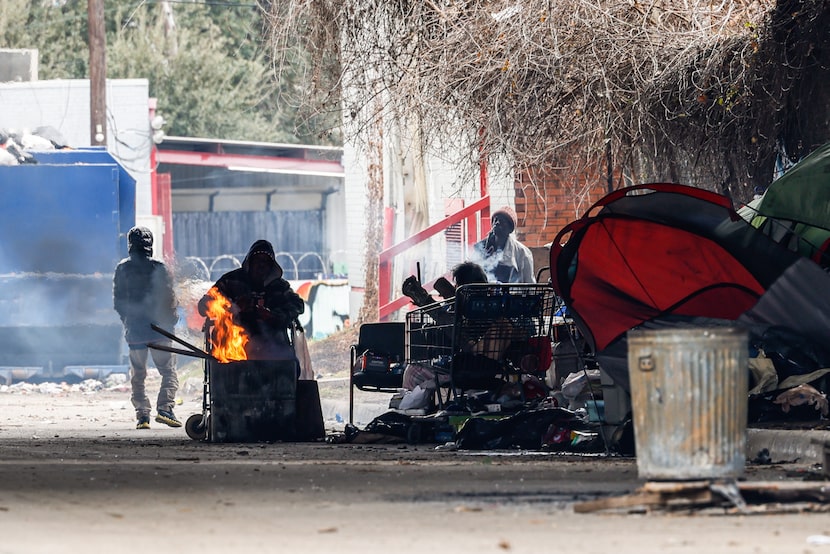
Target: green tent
<point>795,209</point>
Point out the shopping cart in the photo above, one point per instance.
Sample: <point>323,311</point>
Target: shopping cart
<point>487,336</point>
<point>501,333</point>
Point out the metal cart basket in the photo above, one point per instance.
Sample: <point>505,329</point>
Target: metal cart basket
<point>486,336</point>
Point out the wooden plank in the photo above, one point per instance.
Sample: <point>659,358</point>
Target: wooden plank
<point>613,502</point>
<point>647,499</point>
<point>782,485</point>
<point>677,494</point>
<point>674,486</point>
<point>690,497</point>
<point>785,491</point>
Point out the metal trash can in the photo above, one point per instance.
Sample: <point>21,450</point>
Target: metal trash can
<point>689,401</point>
<point>252,401</point>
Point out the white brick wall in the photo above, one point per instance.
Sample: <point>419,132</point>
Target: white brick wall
<point>355,191</point>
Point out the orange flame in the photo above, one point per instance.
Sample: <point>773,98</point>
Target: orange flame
<point>228,338</point>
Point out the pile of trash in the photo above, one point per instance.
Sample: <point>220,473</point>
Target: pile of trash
<point>113,382</point>
<point>466,424</point>
<point>668,256</point>
<point>15,144</point>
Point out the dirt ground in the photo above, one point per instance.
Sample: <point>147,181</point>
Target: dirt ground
<point>75,476</point>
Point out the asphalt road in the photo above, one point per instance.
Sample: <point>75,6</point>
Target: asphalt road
<point>76,477</point>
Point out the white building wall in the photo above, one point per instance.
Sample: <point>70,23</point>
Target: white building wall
<point>355,178</point>
<point>501,178</point>
<point>336,225</point>
<point>64,105</point>
<point>450,174</point>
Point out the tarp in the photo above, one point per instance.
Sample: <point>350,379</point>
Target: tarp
<point>650,251</point>
<point>797,301</point>
<point>795,209</point>
<point>802,193</point>
<point>789,325</point>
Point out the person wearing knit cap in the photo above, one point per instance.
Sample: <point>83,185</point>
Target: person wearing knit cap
<point>506,215</point>
<point>263,302</point>
<point>503,257</point>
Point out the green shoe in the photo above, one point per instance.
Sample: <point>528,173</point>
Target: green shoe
<point>143,422</point>
<point>168,418</point>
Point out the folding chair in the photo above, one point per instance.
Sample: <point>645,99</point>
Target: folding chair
<point>376,361</point>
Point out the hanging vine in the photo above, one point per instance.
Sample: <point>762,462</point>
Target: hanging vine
<point>698,91</point>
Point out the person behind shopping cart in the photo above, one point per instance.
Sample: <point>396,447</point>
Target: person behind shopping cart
<point>416,374</point>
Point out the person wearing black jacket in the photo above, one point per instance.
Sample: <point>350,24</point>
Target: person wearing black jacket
<point>143,295</point>
<point>263,303</point>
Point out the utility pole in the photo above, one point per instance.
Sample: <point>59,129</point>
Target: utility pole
<point>97,74</point>
<point>170,29</point>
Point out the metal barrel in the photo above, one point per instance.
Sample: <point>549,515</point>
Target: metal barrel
<point>252,401</point>
<point>689,402</point>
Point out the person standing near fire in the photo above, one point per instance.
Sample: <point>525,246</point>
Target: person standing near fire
<point>143,295</point>
<point>262,302</point>
<point>503,257</point>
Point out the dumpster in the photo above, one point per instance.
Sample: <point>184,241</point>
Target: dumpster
<point>63,223</point>
<point>689,402</point>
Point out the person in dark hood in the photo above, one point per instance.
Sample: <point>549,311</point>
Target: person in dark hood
<point>465,273</point>
<point>263,303</point>
<point>503,257</point>
<point>143,295</point>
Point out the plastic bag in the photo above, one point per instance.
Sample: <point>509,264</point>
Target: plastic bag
<point>415,399</point>
<point>302,353</point>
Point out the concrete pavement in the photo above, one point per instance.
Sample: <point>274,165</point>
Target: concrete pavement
<point>789,445</point>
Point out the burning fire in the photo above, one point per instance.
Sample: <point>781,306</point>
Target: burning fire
<point>228,338</point>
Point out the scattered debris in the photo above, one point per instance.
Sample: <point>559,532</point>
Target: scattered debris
<point>803,395</point>
<point>733,497</point>
<point>114,382</point>
<point>825,455</point>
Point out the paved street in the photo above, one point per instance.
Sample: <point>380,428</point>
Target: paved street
<point>76,477</point>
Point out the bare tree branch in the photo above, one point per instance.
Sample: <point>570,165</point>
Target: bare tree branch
<point>694,90</point>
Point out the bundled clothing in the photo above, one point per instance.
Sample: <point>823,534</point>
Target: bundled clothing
<point>511,264</point>
<point>265,308</point>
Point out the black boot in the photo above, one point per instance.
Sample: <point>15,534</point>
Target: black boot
<point>412,288</point>
<point>444,288</point>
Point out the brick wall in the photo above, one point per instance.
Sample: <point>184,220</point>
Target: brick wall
<point>550,200</point>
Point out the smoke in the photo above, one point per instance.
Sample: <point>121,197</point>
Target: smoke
<point>52,320</point>
<point>188,293</point>
<point>49,299</point>
<point>487,263</point>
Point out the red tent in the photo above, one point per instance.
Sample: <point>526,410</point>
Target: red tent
<point>656,250</point>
